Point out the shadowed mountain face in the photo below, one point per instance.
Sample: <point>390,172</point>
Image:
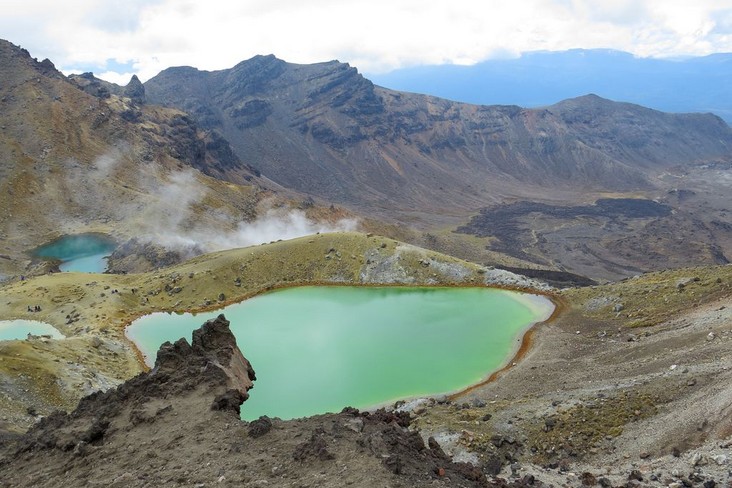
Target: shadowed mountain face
<point>325,130</point>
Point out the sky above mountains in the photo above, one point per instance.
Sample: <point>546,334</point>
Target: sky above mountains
<point>115,39</point>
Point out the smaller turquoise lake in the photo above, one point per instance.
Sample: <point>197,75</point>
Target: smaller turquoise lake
<point>84,253</point>
<point>320,349</point>
<point>19,329</point>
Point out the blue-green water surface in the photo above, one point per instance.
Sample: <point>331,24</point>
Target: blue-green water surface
<point>85,253</point>
<point>319,349</point>
<point>19,329</point>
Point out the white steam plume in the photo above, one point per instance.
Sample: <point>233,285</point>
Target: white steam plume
<point>173,223</point>
<point>275,225</point>
<point>174,214</point>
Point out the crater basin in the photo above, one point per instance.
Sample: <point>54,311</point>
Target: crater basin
<point>319,349</point>
<point>85,253</point>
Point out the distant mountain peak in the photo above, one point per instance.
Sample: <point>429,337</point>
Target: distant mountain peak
<point>258,60</point>
<point>591,100</point>
<point>325,130</point>
<point>542,78</point>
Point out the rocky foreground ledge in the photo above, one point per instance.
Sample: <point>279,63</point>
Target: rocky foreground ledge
<point>178,425</point>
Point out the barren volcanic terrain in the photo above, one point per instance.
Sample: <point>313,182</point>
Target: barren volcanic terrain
<point>219,186</point>
<point>497,185</point>
<point>325,130</point>
<point>629,381</point>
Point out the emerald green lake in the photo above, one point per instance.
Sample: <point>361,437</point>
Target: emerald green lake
<point>319,349</point>
<point>84,253</point>
<point>19,329</point>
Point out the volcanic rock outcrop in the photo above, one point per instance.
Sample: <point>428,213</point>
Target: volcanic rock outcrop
<point>208,373</point>
<point>134,90</point>
<point>178,425</point>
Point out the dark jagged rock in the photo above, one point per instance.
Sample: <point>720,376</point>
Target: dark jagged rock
<point>251,113</point>
<point>92,85</point>
<point>399,418</point>
<point>588,479</point>
<point>315,447</point>
<point>210,368</point>
<point>15,56</point>
<point>260,427</point>
<point>404,452</point>
<point>493,464</point>
<point>135,90</point>
<point>635,475</point>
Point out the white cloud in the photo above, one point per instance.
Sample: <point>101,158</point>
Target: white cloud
<point>120,79</point>
<point>374,36</point>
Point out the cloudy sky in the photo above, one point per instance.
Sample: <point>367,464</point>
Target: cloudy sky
<point>115,38</point>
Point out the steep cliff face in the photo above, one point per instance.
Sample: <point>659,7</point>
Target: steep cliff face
<point>326,130</point>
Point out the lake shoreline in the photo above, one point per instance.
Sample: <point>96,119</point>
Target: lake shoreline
<point>82,307</point>
<point>34,328</point>
<point>527,342</point>
<point>540,308</point>
<point>552,297</point>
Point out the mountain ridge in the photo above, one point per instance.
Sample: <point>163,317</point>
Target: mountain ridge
<point>434,164</point>
<point>416,167</point>
<point>540,78</point>
<point>325,129</point>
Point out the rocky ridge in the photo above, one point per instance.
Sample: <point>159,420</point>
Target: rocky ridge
<point>433,164</point>
<point>324,129</point>
<point>211,366</point>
